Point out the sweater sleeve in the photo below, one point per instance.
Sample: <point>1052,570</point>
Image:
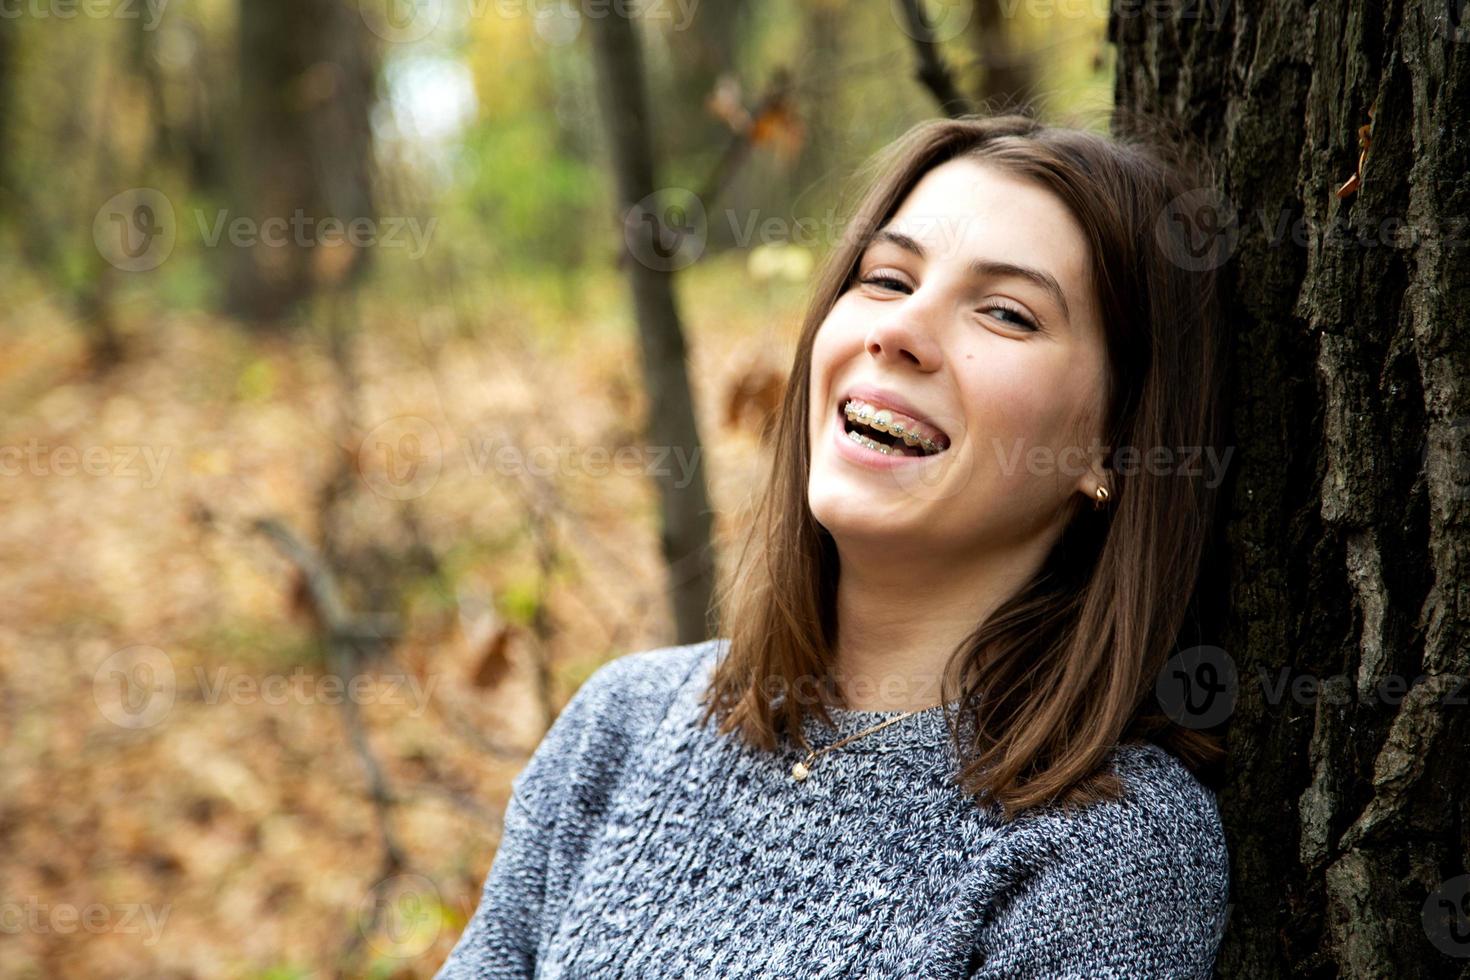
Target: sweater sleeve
<point>557,802</point>
<point>1134,890</point>
<point>500,940</point>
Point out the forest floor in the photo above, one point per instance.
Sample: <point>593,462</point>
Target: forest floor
<point>180,792</point>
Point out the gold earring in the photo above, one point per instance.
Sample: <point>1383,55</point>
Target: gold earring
<point>1100,497</point>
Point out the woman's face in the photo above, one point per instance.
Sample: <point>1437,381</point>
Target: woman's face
<point>972,309</point>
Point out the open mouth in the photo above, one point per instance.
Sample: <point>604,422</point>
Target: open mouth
<point>886,431</point>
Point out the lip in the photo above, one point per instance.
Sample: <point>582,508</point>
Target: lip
<point>887,399</point>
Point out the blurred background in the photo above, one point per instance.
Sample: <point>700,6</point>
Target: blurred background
<point>337,452</point>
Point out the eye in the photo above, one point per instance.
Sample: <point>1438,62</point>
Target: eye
<point>884,279</point>
<point>1020,318</point>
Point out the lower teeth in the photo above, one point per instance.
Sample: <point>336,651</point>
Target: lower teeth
<point>863,440</point>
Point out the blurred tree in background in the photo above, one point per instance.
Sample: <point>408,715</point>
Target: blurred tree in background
<point>300,144</point>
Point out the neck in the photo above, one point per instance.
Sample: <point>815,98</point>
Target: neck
<point>891,652</point>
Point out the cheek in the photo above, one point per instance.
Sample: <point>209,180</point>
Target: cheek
<point>835,342</point>
<point>839,332</point>
<point>820,381</point>
<point>1017,409</point>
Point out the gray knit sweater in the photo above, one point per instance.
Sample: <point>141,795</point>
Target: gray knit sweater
<point>638,844</point>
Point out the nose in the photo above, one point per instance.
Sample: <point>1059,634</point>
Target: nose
<point>906,332</point>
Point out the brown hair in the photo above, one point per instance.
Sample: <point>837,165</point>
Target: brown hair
<point>1069,662</point>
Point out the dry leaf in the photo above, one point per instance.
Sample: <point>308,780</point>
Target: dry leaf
<point>493,659</point>
<point>754,399</point>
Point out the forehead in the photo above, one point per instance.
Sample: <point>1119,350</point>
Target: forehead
<point>966,209</point>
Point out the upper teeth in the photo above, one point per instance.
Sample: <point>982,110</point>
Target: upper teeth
<point>883,419</point>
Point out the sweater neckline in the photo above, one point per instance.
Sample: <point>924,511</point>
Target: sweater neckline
<point>923,728</point>
<point>926,728</point>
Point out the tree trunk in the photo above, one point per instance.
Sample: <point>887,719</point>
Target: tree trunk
<point>933,71</point>
<point>1345,524</point>
<point>8,72</point>
<point>702,50</point>
<point>649,226</point>
<point>1007,75</point>
<point>302,152</point>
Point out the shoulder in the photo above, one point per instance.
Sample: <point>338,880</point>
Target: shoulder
<point>1164,832</point>
<point>1163,805</point>
<point>647,677</point>
<point>615,710</point>
<point>1159,786</point>
<point>1135,885</point>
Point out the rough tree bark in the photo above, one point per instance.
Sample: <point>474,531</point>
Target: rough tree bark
<point>656,237</point>
<point>1347,525</point>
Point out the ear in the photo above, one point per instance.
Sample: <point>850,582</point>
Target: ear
<point>1095,473</point>
<point>1096,453</point>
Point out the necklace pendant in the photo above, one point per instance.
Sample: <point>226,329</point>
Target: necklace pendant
<point>800,771</point>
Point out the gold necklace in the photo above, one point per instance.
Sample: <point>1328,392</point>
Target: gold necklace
<point>803,769</point>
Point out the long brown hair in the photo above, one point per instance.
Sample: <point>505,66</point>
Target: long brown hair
<point>1068,664</point>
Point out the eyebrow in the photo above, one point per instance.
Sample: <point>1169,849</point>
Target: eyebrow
<point>982,267</point>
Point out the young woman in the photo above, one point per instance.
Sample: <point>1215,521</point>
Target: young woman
<point>928,745</point>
